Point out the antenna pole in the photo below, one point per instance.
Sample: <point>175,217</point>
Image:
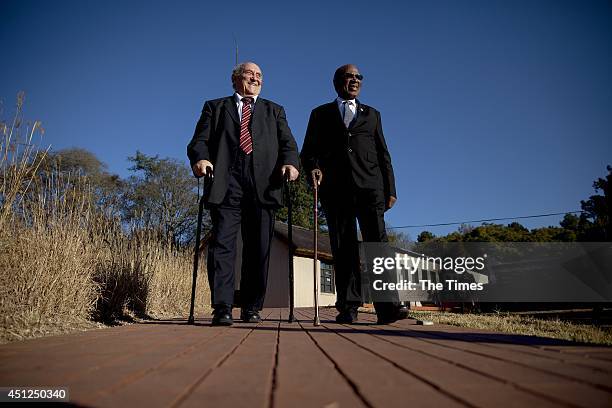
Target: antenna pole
<point>236,45</point>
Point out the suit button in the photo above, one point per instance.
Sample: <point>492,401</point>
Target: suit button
<point>349,133</point>
<point>350,150</point>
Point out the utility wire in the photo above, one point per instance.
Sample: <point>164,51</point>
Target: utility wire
<point>486,220</point>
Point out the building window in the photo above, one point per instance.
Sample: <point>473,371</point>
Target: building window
<point>327,278</point>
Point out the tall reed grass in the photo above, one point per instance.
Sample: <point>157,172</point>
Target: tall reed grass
<point>64,262</point>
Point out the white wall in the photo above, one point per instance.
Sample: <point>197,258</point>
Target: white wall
<point>277,293</point>
<point>304,284</point>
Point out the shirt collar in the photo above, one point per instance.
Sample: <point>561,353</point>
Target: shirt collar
<point>238,97</point>
<point>340,101</point>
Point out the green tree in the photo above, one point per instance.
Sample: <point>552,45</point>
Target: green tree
<point>399,239</point>
<point>513,232</point>
<point>571,227</point>
<point>598,209</point>
<point>425,236</point>
<point>550,234</point>
<point>162,194</point>
<point>302,200</point>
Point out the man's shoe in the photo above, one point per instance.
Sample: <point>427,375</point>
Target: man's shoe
<point>392,315</point>
<point>250,316</point>
<point>347,316</point>
<point>222,317</point>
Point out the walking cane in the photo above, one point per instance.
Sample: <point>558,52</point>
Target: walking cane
<point>196,254</point>
<point>290,238</point>
<point>316,179</point>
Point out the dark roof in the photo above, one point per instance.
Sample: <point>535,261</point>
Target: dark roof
<point>303,239</point>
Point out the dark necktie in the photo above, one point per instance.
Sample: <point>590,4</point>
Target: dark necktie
<point>246,144</point>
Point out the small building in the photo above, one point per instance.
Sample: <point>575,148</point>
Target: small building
<point>277,294</point>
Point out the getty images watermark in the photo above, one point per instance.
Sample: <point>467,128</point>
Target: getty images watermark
<point>412,264</point>
<point>487,272</point>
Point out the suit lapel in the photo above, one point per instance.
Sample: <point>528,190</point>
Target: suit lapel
<point>230,107</point>
<point>335,113</point>
<point>257,120</point>
<point>360,115</point>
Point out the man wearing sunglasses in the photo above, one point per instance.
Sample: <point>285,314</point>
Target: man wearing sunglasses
<point>345,146</point>
<point>246,142</point>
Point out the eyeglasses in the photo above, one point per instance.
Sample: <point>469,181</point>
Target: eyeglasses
<point>349,75</point>
<point>253,73</point>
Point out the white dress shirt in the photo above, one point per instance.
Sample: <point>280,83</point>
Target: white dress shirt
<point>239,104</point>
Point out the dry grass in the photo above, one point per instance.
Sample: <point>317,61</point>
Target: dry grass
<point>65,264</point>
<point>520,324</point>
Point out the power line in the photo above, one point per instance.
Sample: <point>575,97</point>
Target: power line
<point>487,220</point>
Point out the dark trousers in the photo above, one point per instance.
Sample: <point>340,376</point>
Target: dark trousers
<point>240,209</point>
<point>342,212</point>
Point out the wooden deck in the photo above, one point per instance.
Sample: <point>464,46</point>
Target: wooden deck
<point>278,364</point>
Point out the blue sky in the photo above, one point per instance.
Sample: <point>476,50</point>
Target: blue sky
<point>490,108</point>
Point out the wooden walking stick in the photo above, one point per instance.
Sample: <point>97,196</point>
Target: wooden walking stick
<point>290,239</point>
<point>316,179</point>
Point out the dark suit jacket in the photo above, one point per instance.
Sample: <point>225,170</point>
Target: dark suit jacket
<point>216,139</point>
<point>356,156</point>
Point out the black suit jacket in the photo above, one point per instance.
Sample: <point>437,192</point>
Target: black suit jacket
<point>357,156</point>
<point>216,139</point>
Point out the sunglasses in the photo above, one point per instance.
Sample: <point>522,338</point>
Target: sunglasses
<point>348,75</point>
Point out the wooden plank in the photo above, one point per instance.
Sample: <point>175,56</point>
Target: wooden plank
<point>377,382</point>
<point>561,350</point>
<point>305,377</point>
<point>604,353</point>
<point>539,383</point>
<point>568,352</point>
<point>92,374</point>
<point>462,384</point>
<point>43,344</point>
<point>504,352</point>
<point>66,364</point>
<point>32,362</point>
<point>174,379</point>
<point>244,379</point>
<point>527,378</point>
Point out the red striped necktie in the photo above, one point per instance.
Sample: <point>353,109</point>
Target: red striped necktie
<point>246,143</point>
